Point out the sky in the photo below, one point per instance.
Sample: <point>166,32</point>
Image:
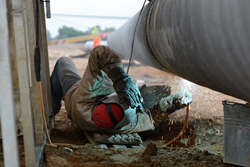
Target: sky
<point>114,8</point>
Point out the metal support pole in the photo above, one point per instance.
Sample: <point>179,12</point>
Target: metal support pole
<point>8,123</point>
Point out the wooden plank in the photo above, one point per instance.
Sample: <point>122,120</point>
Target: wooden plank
<point>46,60</point>
<point>19,20</point>
<point>13,48</point>
<point>14,70</point>
<point>8,124</point>
<point>36,106</point>
<point>43,80</point>
<point>46,88</point>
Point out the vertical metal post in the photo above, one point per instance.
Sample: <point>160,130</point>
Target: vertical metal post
<point>8,123</point>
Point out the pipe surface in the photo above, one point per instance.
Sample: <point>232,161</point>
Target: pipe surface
<point>205,42</point>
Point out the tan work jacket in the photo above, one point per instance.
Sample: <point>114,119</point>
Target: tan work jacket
<point>81,97</point>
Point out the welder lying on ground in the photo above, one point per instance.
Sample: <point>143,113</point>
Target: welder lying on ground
<point>106,99</point>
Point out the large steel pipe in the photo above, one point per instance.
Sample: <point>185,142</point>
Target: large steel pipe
<point>205,42</point>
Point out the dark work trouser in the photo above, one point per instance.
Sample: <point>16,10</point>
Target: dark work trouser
<point>64,76</point>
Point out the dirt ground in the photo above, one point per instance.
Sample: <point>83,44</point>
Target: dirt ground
<point>200,145</point>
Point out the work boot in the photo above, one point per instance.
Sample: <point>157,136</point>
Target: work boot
<point>56,104</point>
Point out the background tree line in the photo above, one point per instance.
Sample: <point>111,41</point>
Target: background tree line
<point>67,32</point>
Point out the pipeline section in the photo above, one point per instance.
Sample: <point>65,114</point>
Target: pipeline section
<point>205,42</point>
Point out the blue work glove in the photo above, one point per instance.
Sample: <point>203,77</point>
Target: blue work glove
<point>125,87</point>
<point>174,102</point>
<point>182,98</point>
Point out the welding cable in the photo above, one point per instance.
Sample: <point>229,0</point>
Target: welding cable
<point>43,115</point>
<point>181,130</point>
<point>37,59</point>
<point>132,47</point>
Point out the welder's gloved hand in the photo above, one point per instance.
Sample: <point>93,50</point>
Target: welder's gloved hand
<point>125,87</point>
<point>182,98</point>
<point>174,102</point>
